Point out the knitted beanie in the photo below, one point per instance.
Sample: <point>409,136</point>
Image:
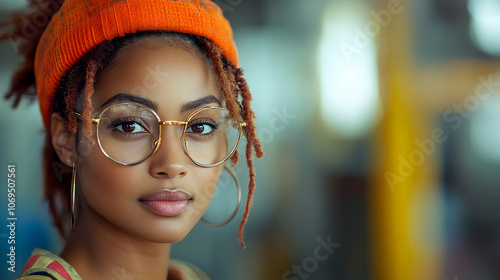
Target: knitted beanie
<point>81,25</point>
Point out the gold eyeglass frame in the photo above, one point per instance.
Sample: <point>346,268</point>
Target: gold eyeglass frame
<point>96,120</point>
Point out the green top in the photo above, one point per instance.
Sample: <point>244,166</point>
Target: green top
<point>44,265</point>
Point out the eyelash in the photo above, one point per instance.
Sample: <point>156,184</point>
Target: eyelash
<point>214,125</point>
<point>113,125</point>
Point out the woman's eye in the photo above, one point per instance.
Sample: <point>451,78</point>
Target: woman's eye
<point>130,127</point>
<point>200,128</point>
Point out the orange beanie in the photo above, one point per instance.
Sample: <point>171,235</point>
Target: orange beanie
<point>81,25</point>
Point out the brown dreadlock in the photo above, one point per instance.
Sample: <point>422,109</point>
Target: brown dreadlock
<point>77,88</point>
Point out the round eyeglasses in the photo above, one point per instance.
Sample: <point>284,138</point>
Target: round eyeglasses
<point>129,133</point>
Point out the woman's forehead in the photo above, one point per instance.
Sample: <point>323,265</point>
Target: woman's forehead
<point>170,75</point>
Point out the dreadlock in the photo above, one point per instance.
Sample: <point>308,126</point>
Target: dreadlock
<point>76,91</point>
<point>23,81</point>
<point>233,84</point>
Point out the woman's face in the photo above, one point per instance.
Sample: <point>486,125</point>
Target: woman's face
<point>116,196</point>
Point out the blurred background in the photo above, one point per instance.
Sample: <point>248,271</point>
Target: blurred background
<point>380,122</point>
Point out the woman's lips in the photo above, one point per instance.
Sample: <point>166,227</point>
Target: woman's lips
<point>167,202</point>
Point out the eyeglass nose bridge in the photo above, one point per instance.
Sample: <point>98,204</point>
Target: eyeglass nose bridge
<point>157,142</point>
<point>172,123</point>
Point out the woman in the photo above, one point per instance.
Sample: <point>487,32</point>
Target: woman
<point>141,99</point>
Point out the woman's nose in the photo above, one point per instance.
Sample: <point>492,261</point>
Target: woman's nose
<point>169,159</point>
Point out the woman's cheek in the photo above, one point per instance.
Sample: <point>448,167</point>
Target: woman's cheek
<point>206,186</point>
<point>103,173</point>
<point>108,186</point>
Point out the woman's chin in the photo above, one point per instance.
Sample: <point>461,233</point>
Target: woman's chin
<point>167,237</point>
<point>165,233</point>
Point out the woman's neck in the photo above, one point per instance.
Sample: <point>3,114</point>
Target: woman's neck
<point>100,250</point>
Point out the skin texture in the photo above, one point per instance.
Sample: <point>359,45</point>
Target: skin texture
<point>115,234</point>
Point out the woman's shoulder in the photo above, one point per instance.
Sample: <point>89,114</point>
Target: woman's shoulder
<point>44,265</point>
<point>181,270</point>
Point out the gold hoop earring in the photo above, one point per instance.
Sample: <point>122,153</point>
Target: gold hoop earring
<point>73,179</point>
<point>231,172</point>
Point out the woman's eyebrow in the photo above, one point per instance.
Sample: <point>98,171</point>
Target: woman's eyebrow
<point>123,97</point>
<point>200,102</point>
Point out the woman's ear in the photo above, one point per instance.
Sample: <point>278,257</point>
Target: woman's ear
<point>63,140</point>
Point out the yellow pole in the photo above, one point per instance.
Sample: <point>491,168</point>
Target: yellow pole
<point>399,169</point>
